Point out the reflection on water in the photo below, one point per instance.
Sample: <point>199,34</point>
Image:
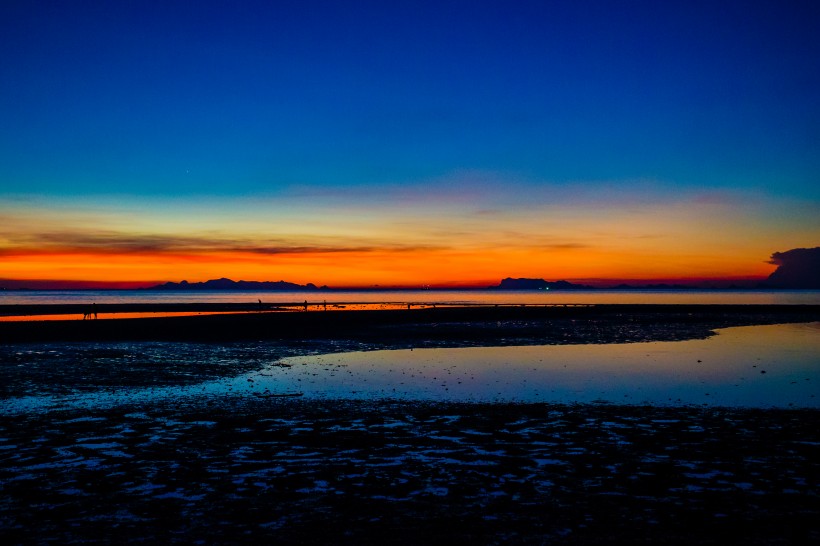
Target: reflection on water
<point>754,366</point>
<point>763,366</point>
<point>487,297</point>
<point>270,308</point>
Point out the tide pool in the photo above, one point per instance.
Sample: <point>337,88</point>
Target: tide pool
<point>752,366</point>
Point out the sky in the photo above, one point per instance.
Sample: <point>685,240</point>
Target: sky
<point>406,143</point>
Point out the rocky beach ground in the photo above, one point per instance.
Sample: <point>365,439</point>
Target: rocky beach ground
<point>234,470</point>
<point>335,472</point>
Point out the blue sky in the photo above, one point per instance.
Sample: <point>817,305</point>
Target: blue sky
<point>370,103</point>
<point>215,97</point>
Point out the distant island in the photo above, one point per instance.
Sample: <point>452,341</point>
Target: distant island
<point>797,269</point>
<point>228,284</point>
<point>537,284</point>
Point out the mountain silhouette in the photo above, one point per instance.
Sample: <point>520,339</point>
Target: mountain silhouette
<point>228,284</point>
<point>536,284</point>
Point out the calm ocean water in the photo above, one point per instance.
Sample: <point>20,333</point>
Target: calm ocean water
<point>766,297</point>
<point>750,366</point>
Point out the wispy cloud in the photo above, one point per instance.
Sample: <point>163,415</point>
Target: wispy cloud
<point>567,246</point>
<point>115,242</point>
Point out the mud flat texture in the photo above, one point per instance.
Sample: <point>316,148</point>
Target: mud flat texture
<point>477,325</point>
<point>249,470</point>
<point>290,471</point>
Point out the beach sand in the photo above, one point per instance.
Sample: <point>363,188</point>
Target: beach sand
<point>288,471</point>
<point>242,470</point>
<point>457,324</point>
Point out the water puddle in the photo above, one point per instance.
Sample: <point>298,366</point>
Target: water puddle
<point>757,366</point>
<point>753,366</point>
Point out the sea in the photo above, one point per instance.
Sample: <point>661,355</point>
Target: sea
<point>463,297</point>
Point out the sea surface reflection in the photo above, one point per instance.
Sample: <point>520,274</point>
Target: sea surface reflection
<point>753,366</point>
<point>759,366</point>
<point>442,297</point>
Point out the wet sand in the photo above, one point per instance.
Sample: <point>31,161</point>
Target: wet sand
<point>286,471</point>
<point>243,470</point>
<point>461,324</point>
<point>69,312</point>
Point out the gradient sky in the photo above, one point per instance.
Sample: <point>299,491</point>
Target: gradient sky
<point>411,143</point>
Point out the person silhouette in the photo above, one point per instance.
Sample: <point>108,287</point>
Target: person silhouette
<point>305,305</point>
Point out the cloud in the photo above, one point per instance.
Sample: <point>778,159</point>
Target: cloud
<point>326,249</point>
<point>567,246</point>
<point>797,268</point>
<point>115,242</point>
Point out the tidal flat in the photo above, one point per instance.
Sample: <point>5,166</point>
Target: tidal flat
<point>250,467</point>
<point>354,472</point>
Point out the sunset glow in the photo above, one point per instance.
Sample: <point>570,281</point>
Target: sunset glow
<point>447,244</point>
<point>391,146</point>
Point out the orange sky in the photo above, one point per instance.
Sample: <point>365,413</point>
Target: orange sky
<point>411,268</point>
<point>406,145</point>
<point>341,242</point>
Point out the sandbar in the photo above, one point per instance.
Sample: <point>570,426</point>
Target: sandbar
<point>469,325</point>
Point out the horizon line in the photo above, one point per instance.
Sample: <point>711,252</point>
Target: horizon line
<point>689,282</point>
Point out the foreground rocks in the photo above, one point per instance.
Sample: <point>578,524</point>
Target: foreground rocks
<point>295,471</point>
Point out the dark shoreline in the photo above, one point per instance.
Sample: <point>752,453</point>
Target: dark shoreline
<point>483,325</point>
